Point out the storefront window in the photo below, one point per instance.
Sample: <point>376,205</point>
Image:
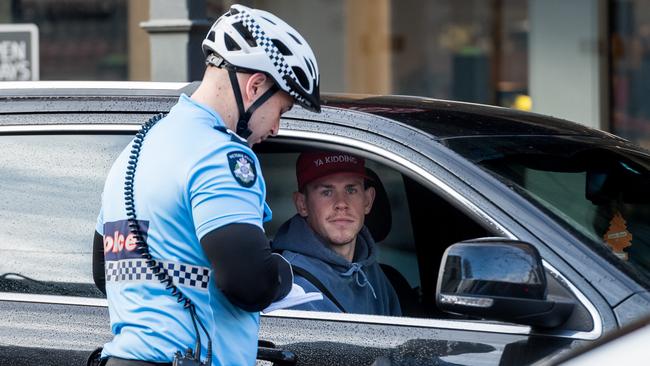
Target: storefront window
<point>630,70</point>
<point>79,39</point>
<point>468,50</point>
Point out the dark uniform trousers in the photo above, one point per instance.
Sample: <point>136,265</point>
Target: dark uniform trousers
<point>94,360</point>
<point>113,361</point>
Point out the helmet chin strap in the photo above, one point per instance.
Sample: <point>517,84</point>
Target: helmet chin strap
<point>245,115</point>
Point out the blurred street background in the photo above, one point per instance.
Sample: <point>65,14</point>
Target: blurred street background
<point>583,60</point>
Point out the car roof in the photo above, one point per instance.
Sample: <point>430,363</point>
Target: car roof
<point>442,119</point>
<point>452,119</point>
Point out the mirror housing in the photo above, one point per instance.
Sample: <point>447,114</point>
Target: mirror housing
<point>500,279</point>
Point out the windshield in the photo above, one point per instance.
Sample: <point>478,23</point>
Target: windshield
<point>600,191</point>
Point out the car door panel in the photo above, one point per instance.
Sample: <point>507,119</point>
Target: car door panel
<point>51,334</point>
<point>345,343</point>
<point>455,189</point>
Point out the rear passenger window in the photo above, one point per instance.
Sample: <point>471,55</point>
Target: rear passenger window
<point>49,201</point>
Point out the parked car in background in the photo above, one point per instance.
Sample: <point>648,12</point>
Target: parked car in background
<point>509,236</point>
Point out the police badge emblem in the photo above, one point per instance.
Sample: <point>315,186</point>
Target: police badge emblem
<point>242,167</point>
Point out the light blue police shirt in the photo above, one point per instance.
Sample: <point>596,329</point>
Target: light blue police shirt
<point>191,178</point>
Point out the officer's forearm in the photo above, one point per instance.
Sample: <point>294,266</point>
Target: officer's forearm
<point>245,270</point>
<point>99,276</point>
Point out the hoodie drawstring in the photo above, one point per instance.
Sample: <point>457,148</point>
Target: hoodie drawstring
<point>356,269</point>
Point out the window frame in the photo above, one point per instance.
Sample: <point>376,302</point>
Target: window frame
<point>374,151</point>
<point>357,144</point>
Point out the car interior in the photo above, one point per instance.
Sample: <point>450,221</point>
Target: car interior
<point>406,221</point>
<point>411,223</point>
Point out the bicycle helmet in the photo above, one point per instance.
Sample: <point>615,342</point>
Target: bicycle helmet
<point>252,40</point>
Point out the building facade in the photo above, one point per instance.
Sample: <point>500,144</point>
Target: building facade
<point>583,60</point>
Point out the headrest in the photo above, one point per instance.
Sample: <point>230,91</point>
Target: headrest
<point>379,220</point>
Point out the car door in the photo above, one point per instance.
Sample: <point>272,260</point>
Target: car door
<point>53,177</point>
<point>434,189</point>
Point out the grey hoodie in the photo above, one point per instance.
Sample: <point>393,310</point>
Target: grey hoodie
<point>360,287</point>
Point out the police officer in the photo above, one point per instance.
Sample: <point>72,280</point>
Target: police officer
<point>199,197</point>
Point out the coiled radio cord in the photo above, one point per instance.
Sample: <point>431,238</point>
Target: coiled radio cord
<point>143,249</point>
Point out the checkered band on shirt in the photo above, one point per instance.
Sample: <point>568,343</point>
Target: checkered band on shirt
<point>271,50</point>
<point>135,270</point>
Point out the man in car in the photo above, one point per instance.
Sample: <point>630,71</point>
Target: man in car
<point>194,264</point>
<point>326,242</point>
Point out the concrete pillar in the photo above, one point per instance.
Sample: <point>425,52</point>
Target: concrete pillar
<point>176,29</point>
<point>139,50</point>
<point>368,52</point>
<point>568,60</point>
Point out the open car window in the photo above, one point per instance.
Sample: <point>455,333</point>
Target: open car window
<point>423,225</point>
<point>410,244</point>
<point>396,243</point>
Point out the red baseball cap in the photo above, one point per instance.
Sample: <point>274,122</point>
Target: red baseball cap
<point>314,165</point>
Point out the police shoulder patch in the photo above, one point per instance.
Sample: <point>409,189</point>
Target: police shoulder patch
<point>242,167</point>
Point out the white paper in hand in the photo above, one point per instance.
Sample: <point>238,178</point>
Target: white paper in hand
<point>295,297</point>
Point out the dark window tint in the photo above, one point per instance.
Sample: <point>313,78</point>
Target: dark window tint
<point>599,191</point>
<point>630,69</point>
<point>78,39</point>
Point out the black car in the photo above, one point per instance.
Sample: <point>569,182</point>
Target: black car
<point>509,237</point>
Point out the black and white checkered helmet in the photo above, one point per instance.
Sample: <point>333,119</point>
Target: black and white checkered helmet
<point>255,40</point>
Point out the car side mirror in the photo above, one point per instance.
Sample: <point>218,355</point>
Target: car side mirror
<point>501,279</point>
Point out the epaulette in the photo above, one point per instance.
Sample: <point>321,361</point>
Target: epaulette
<point>233,136</point>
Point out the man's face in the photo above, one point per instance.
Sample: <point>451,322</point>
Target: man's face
<point>335,207</point>
<point>265,121</point>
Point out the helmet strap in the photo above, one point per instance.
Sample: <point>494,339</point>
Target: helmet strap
<point>245,115</point>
